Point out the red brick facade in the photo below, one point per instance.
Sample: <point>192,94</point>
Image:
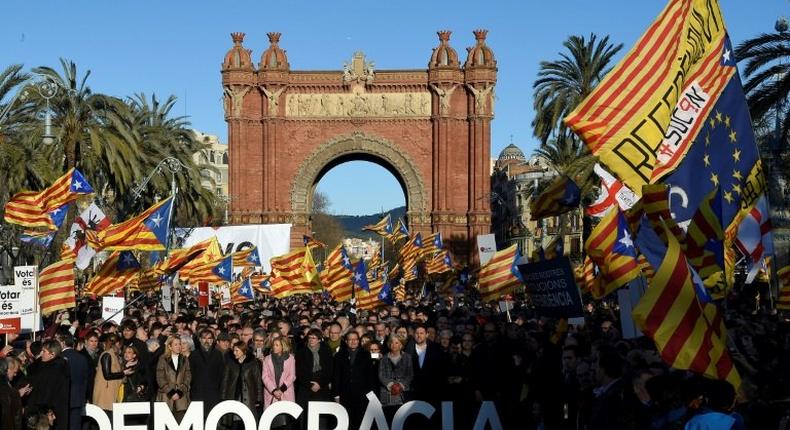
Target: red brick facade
<point>430,127</point>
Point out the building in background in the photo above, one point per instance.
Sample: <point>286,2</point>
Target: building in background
<point>216,155</point>
<point>513,181</point>
<point>361,248</point>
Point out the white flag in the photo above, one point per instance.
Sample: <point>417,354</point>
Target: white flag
<point>92,218</point>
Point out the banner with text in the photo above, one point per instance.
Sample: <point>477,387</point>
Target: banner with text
<point>486,247</point>
<point>271,239</point>
<point>552,287</point>
<point>26,282</point>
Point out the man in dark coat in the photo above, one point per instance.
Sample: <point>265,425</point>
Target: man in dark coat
<point>353,378</point>
<point>207,367</point>
<point>91,352</point>
<point>50,384</point>
<point>78,374</point>
<point>313,376</point>
<point>430,367</point>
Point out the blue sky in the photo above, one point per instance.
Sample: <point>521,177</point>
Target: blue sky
<point>176,47</point>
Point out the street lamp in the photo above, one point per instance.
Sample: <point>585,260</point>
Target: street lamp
<point>47,89</point>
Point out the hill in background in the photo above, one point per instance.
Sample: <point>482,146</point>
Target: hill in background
<point>353,224</point>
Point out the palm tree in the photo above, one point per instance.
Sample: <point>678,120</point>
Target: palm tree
<point>767,70</point>
<point>563,84</point>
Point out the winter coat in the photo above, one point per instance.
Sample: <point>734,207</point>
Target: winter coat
<point>171,379</point>
<point>109,376</point>
<point>131,383</point>
<point>389,373</point>
<point>288,378</point>
<point>50,384</point>
<point>10,407</point>
<point>206,367</point>
<point>305,375</point>
<point>251,391</point>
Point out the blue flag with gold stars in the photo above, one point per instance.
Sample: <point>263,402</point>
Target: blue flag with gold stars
<point>724,153</point>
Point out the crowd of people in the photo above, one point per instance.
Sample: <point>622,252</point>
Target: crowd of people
<point>539,373</point>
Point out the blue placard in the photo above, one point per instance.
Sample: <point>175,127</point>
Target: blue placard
<point>552,288</point>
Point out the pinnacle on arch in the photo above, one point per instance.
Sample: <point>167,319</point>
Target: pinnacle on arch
<point>480,35</point>
<point>238,37</point>
<point>274,37</point>
<point>444,36</point>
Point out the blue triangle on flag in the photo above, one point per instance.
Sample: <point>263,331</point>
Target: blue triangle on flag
<point>246,288</point>
<point>224,269</point>
<point>79,184</point>
<point>127,260</point>
<point>361,276</point>
<point>159,222</point>
<point>58,214</point>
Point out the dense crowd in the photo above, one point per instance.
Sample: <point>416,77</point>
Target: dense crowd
<point>540,373</point>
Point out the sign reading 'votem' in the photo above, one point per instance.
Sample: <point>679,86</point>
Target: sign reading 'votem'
<point>552,287</point>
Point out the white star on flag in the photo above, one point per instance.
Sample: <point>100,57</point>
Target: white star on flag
<point>157,219</point>
<point>56,211</point>
<point>221,270</point>
<point>346,261</point>
<point>626,241</point>
<point>357,277</point>
<point>128,259</point>
<point>77,185</point>
<point>726,55</point>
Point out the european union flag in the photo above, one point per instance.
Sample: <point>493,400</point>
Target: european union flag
<point>361,276</point>
<point>723,154</point>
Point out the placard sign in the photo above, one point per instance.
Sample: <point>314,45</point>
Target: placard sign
<point>552,287</point>
<point>26,280</point>
<point>110,307</point>
<point>486,247</point>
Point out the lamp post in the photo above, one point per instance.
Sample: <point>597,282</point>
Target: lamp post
<point>47,89</point>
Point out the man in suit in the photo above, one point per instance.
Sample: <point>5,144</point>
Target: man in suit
<point>430,367</point>
<point>78,374</point>
<point>91,352</point>
<point>353,378</point>
<point>50,384</point>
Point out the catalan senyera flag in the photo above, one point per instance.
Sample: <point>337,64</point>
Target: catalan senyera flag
<point>686,331</point>
<point>611,249</point>
<point>500,275</point>
<point>148,231</point>
<point>641,119</point>
<point>56,287</point>
<point>120,269</point>
<point>783,300</point>
<point>382,228</point>
<point>247,258</point>
<point>561,196</point>
<point>31,208</point>
<point>148,280</point>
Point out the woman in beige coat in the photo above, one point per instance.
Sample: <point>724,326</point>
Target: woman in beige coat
<point>109,373</point>
<point>174,377</point>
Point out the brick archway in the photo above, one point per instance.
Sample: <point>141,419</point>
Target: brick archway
<point>430,127</point>
<point>357,146</point>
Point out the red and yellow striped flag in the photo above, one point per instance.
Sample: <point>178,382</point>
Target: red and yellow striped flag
<point>205,252</point>
<point>120,268</point>
<point>31,208</point>
<point>674,69</point>
<point>687,332</point>
<point>56,287</point>
<point>562,195</point>
<point>146,232</point>
<point>298,269</point>
<point>783,301</point>
<point>178,258</point>
<point>383,227</point>
<point>500,275</point>
<point>611,249</point>
<point>440,263</point>
<point>369,300</point>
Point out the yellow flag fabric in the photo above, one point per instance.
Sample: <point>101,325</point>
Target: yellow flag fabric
<point>642,118</point>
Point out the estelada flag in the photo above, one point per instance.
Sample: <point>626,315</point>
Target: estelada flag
<point>247,258</point>
<point>148,231</point>
<point>383,227</point>
<point>56,286</point>
<point>31,208</point>
<point>500,275</point>
<point>562,195</point>
<point>179,258</point>
<point>119,269</point>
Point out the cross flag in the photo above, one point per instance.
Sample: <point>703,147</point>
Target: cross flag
<point>147,231</point>
<point>90,221</point>
<point>32,208</point>
<point>361,276</point>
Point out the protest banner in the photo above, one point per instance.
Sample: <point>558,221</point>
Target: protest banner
<point>552,287</point>
<point>271,239</point>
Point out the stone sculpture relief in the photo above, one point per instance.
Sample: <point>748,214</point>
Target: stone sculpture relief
<point>359,105</point>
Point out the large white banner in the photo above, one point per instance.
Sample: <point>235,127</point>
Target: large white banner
<point>271,239</point>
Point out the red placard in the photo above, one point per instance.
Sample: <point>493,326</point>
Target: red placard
<point>203,294</point>
<point>10,325</point>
